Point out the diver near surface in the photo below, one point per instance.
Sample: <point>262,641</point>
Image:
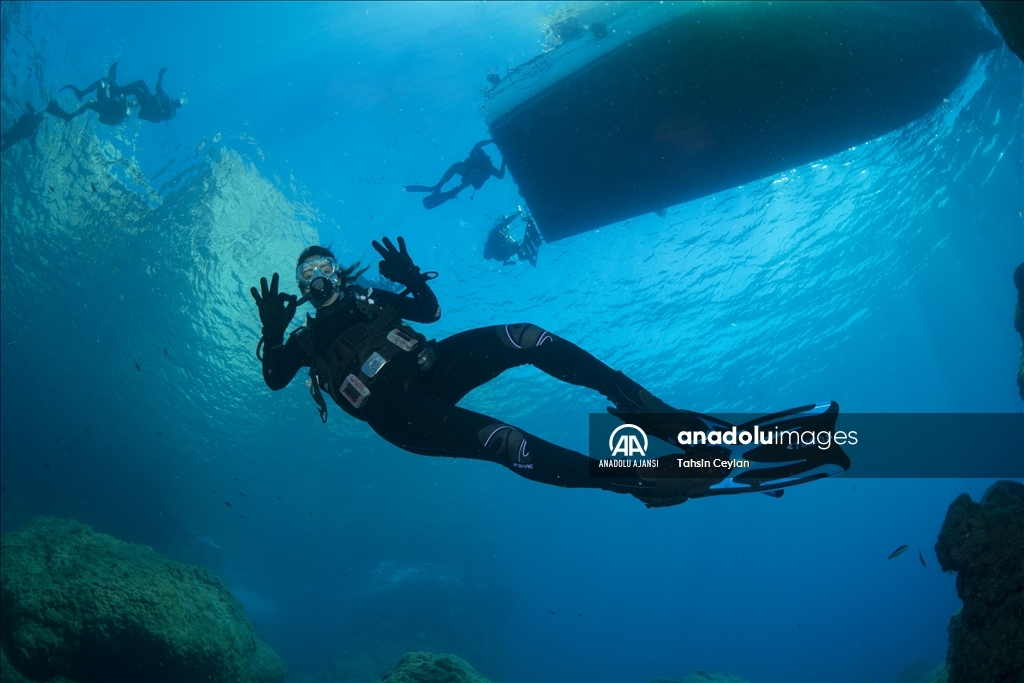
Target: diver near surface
<point>474,170</point>
<point>501,246</point>
<point>377,369</point>
<point>27,126</point>
<point>111,102</point>
<point>153,106</point>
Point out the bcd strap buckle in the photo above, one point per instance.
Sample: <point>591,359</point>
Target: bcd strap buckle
<point>354,391</point>
<point>402,340</point>
<point>373,364</point>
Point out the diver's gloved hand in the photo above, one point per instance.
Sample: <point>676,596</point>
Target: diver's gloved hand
<point>276,310</point>
<point>397,265</point>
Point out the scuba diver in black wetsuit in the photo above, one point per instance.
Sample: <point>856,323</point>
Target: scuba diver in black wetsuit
<point>377,369</point>
<point>111,102</point>
<point>27,126</point>
<point>500,246</point>
<point>475,170</point>
<point>155,107</point>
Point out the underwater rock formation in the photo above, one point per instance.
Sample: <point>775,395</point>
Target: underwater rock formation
<point>700,676</point>
<point>1018,324</point>
<point>364,659</point>
<point>425,667</point>
<point>984,543</point>
<point>85,606</point>
<point>920,671</point>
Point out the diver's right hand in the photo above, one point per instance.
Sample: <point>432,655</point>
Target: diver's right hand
<point>276,309</point>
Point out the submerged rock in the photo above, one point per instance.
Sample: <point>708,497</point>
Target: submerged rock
<point>920,671</point>
<point>425,667</point>
<point>86,607</point>
<point>984,543</point>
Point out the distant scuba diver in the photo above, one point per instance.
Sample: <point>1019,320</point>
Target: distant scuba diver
<point>155,107</point>
<point>501,246</point>
<point>111,101</point>
<point>377,369</point>
<point>475,170</point>
<point>27,126</point>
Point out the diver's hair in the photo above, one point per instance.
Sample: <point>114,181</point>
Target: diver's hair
<point>314,250</point>
<point>348,276</point>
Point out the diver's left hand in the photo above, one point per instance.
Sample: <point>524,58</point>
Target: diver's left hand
<point>397,265</point>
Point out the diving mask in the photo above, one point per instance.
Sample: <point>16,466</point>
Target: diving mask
<point>318,278</point>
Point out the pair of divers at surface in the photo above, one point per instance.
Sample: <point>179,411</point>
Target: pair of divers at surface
<point>111,104</point>
<point>375,367</point>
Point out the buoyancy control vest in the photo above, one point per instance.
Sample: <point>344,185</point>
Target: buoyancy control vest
<point>351,363</point>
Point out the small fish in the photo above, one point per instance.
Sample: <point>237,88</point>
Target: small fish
<point>345,575</point>
<point>899,551</point>
<point>137,367</point>
<point>920,556</point>
<point>578,614</point>
<point>87,430</point>
<point>68,447</point>
<point>159,434</point>
<point>51,187</point>
<point>2,488</point>
<point>165,351</point>
<point>550,612</point>
<point>799,624</point>
<point>310,513</point>
<point>383,617</point>
<point>236,478</point>
<point>279,497</point>
<point>56,439</point>
<point>93,186</point>
<point>214,490</point>
<point>241,494</point>
<point>415,612</point>
<point>227,503</point>
<point>46,466</point>
<point>242,516</point>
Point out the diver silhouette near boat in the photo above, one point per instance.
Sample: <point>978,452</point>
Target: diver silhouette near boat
<point>378,369</point>
<point>474,170</point>
<point>501,246</point>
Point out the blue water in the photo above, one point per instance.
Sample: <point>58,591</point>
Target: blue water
<point>879,278</point>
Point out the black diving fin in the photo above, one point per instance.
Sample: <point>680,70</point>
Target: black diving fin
<point>436,199</point>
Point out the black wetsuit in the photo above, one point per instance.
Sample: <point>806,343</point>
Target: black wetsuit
<point>111,103</point>
<point>27,126</point>
<point>500,246</point>
<point>154,107</point>
<point>474,170</point>
<point>418,411</point>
